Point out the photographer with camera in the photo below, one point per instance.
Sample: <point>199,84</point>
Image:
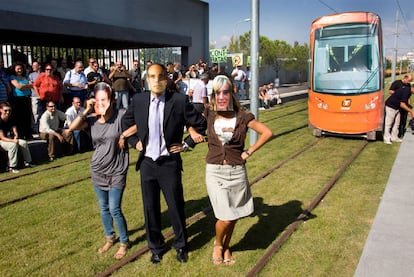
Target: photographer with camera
<point>120,84</point>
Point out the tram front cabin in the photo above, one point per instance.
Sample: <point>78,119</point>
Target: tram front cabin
<point>346,75</point>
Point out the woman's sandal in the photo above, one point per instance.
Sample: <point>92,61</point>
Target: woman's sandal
<point>229,260</point>
<point>108,244</point>
<point>123,247</point>
<point>217,259</point>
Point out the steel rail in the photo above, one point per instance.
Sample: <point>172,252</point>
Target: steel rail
<point>40,170</point>
<point>80,179</point>
<point>168,235</point>
<point>304,215</point>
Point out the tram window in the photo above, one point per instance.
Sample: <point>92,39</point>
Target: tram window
<point>336,58</point>
<point>344,68</point>
<point>360,57</point>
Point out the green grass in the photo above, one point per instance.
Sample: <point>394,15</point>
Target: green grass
<point>58,232</point>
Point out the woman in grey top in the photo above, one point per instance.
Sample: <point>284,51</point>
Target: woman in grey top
<point>109,163</point>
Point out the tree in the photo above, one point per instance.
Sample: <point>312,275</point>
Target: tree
<point>240,44</point>
<point>275,53</point>
<point>299,57</point>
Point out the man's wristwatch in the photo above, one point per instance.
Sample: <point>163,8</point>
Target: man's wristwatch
<point>185,146</point>
<point>247,152</point>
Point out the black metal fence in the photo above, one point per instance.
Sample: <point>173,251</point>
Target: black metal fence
<point>11,53</point>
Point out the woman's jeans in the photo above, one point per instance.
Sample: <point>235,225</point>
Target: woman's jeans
<point>110,208</point>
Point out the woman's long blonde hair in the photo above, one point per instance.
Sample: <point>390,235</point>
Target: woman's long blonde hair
<point>218,82</point>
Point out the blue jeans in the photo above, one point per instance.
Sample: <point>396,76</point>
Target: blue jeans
<point>76,136</point>
<point>122,98</point>
<point>241,92</point>
<point>110,208</point>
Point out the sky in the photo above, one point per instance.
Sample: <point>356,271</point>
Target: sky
<point>290,20</point>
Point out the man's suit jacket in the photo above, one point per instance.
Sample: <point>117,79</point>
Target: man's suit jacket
<point>178,112</point>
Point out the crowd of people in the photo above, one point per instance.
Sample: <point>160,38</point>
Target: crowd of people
<point>117,109</point>
<point>47,96</point>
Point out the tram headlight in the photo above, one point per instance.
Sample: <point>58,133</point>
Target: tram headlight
<point>370,106</point>
<point>320,104</point>
<point>325,106</point>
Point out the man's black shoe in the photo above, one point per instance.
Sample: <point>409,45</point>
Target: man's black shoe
<point>156,258</point>
<point>182,255</point>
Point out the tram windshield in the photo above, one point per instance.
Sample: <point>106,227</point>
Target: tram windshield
<point>346,59</point>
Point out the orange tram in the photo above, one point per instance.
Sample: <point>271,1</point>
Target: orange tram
<point>346,92</point>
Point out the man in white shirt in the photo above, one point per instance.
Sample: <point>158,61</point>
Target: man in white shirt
<point>71,113</point>
<point>49,130</point>
<point>239,78</point>
<point>76,81</point>
<point>199,93</point>
<point>273,95</point>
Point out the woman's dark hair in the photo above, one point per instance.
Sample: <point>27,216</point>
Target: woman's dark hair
<point>105,87</point>
<point>5,104</point>
<point>14,72</point>
<point>48,64</point>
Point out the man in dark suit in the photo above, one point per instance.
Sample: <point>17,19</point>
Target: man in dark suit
<point>160,117</point>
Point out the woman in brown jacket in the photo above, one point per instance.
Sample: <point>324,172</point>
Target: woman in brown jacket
<point>226,176</point>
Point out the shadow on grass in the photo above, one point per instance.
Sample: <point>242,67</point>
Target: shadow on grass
<point>191,207</point>
<point>202,230</point>
<point>273,220</point>
<point>139,239</point>
<point>288,132</point>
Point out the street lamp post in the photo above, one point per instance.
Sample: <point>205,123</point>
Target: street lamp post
<point>235,26</point>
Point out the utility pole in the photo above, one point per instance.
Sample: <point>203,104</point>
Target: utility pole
<point>254,54</point>
<point>394,60</point>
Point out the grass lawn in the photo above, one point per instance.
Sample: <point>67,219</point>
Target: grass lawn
<point>58,232</point>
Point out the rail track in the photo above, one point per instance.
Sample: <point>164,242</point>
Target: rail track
<point>261,263</point>
<point>201,214</point>
<point>77,180</point>
<point>34,171</point>
<point>272,249</point>
<point>285,115</point>
<point>284,236</point>
<point>55,187</point>
<point>304,215</point>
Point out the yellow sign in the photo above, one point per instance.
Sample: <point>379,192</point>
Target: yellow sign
<point>236,59</point>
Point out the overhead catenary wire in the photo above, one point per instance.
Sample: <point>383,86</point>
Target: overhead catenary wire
<point>405,19</point>
<point>329,7</point>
